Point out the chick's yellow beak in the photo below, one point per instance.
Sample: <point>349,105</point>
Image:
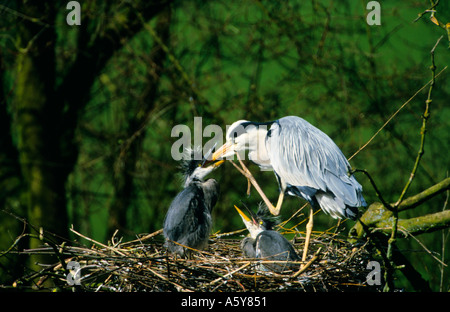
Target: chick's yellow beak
<point>242,214</point>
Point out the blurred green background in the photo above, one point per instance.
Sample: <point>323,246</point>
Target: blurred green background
<point>116,85</point>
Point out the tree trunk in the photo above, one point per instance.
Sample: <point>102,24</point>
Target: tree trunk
<point>36,123</point>
<point>46,113</point>
<point>10,190</point>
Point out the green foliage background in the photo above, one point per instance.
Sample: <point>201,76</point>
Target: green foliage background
<point>259,60</point>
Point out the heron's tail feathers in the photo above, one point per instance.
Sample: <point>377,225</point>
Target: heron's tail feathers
<point>336,207</point>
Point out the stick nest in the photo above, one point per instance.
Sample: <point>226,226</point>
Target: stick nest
<point>144,265</point>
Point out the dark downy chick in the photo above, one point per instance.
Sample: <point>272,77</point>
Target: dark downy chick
<point>188,221</point>
<point>265,243</point>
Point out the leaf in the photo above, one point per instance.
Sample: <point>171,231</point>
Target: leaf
<point>434,20</point>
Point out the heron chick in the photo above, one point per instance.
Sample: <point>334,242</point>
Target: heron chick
<point>188,221</point>
<point>265,243</point>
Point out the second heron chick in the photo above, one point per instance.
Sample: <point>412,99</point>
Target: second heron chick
<point>188,221</point>
<point>265,243</point>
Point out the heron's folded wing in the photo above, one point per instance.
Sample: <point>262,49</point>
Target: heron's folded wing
<point>302,155</point>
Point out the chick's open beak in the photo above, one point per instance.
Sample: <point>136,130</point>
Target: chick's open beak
<point>251,223</point>
<point>252,219</point>
<point>206,162</point>
<point>242,214</point>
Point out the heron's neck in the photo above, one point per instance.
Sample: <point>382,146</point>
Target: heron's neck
<point>257,148</point>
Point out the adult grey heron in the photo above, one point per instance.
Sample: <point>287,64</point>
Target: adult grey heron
<point>264,242</point>
<point>306,163</point>
<point>188,220</point>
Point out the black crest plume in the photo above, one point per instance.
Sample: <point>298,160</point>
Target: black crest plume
<point>188,164</point>
<point>269,220</point>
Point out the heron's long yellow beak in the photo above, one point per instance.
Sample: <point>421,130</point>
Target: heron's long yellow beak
<point>218,163</point>
<point>243,215</point>
<point>207,162</point>
<point>212,163</point>
<point>222,151</point>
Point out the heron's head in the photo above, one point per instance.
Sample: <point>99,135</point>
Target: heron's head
<point>194,169</point>
<point>256,223</point>
<point>242,135</point>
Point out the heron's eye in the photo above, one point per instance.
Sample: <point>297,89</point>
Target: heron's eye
<point>260,222</point>
<point>199,165</point>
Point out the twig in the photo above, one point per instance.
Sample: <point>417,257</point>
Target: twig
<point>308,264</point>
<point>377,192</point>
<point>230,273</point>
<point>426,249</point>
<point>441,283</point>
<point>197,250</point>
<point>169,281</point>
<point>217,235</point>
<point>395,114</point>
<point>433,19</point>
<point>294,215</point>
<point>423,129</point>
<point>429,10</point>
<point>252,180</point>
<point>97,243</point>
<point>390,265</point>
<point>17,240</point>
<point>140,239</point>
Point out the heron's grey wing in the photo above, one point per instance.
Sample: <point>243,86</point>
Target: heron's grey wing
<point>304,156</point>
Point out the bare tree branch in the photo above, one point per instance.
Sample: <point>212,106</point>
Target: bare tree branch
<point>378,218</point>
<point>418,225</point>
<point>422,197</point>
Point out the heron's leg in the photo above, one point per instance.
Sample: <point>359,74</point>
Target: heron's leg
<point>244,170</point>
<point>249,187</point>
<point>309,227</point>
<point>337,226</point>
